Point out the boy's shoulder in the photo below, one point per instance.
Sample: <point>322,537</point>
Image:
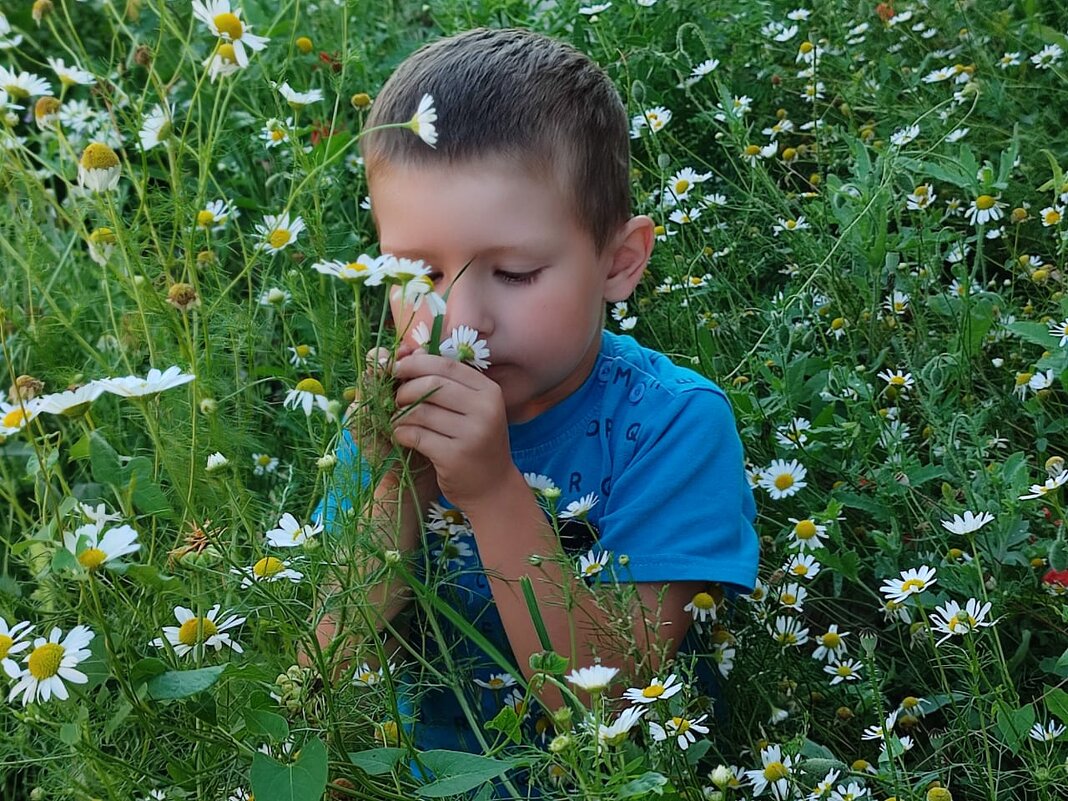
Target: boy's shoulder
<point>632,371</point>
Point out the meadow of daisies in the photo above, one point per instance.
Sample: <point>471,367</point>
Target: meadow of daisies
<point>861,237</point>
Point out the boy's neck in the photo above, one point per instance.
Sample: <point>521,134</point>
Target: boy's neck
<point>538,406</point>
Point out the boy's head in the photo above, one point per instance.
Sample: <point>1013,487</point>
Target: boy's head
<point>529,182</point>
<point>538,103</point>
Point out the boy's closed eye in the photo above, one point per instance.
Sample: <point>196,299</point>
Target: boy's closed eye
<point>505,276</point>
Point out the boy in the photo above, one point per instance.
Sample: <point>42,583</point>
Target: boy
<point>529,182</point>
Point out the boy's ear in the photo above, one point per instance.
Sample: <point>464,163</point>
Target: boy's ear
<point>629,255</point>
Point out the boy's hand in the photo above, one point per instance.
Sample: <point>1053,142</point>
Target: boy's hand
<point>462,427</point>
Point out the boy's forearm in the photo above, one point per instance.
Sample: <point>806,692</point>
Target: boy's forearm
<point>396,512</point>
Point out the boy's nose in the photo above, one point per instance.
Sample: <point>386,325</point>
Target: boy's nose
<point>466,305</point>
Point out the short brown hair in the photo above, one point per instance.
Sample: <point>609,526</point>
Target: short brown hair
<point>520,95</point>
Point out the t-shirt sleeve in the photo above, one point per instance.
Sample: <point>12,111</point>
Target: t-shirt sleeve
<point>351,475</point>
<point>681,509</point>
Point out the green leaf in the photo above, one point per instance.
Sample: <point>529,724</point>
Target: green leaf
<point>535,613</point>
<point>80,449</point>
<point>649,782</point>
<point>1057,703</point>
<point>135,476</point>
<point>458,772</point>
<point>269,724</point>
<point>697,750</point>
<point>1013,725</point>
<point>150,577</point>
<point>377,761</point>
<point>303,780</point>
<point>69,733</point>
<point>145,669</point>
<point>183,683</point>
<point>549,662</point>
<point>507,722</point>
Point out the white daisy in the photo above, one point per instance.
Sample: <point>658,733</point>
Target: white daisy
<point>807,534</point>
<point>215,461</point>
<point>463,345</point>
<point>803,565</point>
<point>496,681</point>
<point>422,122</point>
<point>905,135</point>
<point>156,126</point>
<point>366,269</point>
<point>278,231</point>
<point>682,729</point>
<point>792,596</point>
<point>831,644</point>
<point>289,533</point>
<point>849,670</point>
<point>133,386</point>
<point>216,214</point>
<point>656,690</point>
<point>196,634</point>
<point>22,85</point>
<point>577,510</point>
<point>269,568</point>
<point>967,524</point>
<point>72,75</point>
<point>16,416</point>
<point>591,564</point>
<point>911,582</point>
<point>984,209</point>
<point>222,61</point>
<point>1059,330</point>
<point>1048,734</point>
<point>298,100</point>
<point>226,23</point>
<point>13,641</point>
<point>951,619</point>
<point>1040,490</point>
<point>263,463</point>
<point>99,169</point>
<point>95,548</point>
<point>775,773</point>
<point>789,226</point>
<point>52,662</point>
<point>783,479</point>
<point>308,394</point>
<point>787,632</point>
<point>1048,56</point>
<point>365,676</point>
<point>703,607</point>
<point>592,679</point>
<point>616,733</point>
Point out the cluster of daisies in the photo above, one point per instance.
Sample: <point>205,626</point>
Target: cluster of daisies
<point>27,404</point>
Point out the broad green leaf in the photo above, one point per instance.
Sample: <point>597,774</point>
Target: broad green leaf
<point>302,780</point>
<point>1057,703</point>
<point>648,783</point>
<point>183,683</point>
<point>458,772</point>
<point>377,761</point>
<point>1013,725</point>
<point>269,724</point>
<point>507,723</point>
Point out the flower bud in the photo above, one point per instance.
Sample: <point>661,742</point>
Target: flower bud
<point>721,776</point>
<point>360,100</point>
<point>41,9</point>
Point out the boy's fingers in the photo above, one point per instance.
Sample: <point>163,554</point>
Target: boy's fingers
<point>378,359</point>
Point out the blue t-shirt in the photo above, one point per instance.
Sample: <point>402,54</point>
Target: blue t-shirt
<point>657,445</point>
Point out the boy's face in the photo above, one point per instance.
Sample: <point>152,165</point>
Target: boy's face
<point>535,289</point>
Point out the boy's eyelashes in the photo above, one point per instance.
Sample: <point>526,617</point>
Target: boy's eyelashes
<point>504,276</point>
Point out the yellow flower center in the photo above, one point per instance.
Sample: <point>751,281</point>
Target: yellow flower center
<point>831,640</point>
<point>278,134</point>
<point>659,230</point>
<point>303,351</point>
<point>784,481</point>
<point>98,156</point>
<point>45,660</point>
<point>5,645</point>
<point>653,691</point>
<point>844,671</point>
<point>910,702</point>
<point>788,598</point>
<point>92,558</point>
<point>681,725</point>
<point>229,25</point>
<point>311,385</point>
<point>267,567</point>
<point>789,155</point>
<point>806,47</point>
<point>703,601</point>
<point>16,418</point>
<point>226,52</point>
<point>838,323</point>
<point>102,236</point>
<point>196,629</point>
<point>789,225</point>
<point>681,186</point>
<point>897,380</point>
<point>593,569</point>
<point>1023,378</point>
<point>800,570</point>
<point>984,202</point>
<point>805,530</point>
<point>912,584</point>
<point>205,218</point>
<point>775,771</point>
<point>752,150</point>
<point>1051,217</point>
<point>495,683</point>
<point>278,238</point>
<point>45,106</point>
<point>263,460</point>
<point>788,638</point>
<point>920,191</point>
